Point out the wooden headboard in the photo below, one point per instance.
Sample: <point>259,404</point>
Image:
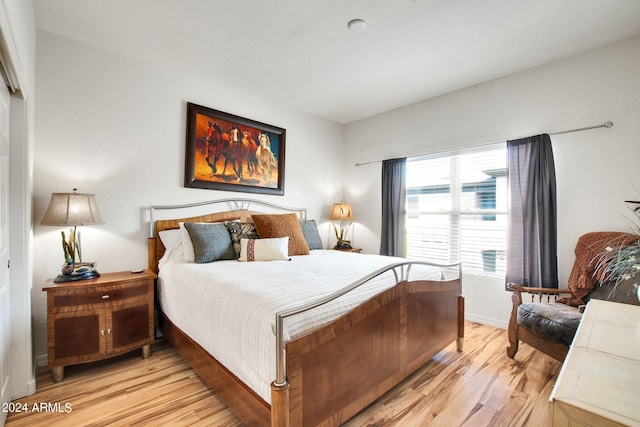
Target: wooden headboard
<point>239,211</point>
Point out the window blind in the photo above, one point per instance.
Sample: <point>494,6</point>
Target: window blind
<point>457,208</point>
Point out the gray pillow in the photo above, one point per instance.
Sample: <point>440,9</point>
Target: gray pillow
<point>211,242</point>
<point>311,235</point>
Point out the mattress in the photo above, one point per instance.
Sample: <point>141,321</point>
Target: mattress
<point>229,307</point>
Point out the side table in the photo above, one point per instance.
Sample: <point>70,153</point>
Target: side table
<point>94,319</point>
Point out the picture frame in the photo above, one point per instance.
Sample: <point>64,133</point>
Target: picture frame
<point>232,153</point>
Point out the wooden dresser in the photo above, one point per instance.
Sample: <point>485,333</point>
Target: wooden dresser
<point>98,318</point>
<point>599,383</point>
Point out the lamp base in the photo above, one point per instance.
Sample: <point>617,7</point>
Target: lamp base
<point>78,271</point>
<point>343,245</point>
<point>64,278</point>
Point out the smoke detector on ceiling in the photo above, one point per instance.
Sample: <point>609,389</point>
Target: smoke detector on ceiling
<point>357,25</point>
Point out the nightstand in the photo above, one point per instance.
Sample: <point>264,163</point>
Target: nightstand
<point>356,250</point>
<point>98,318</point>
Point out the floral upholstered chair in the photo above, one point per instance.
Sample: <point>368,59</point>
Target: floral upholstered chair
<point>547,319</point>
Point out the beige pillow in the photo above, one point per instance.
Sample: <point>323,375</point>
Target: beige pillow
<point>264,249</point>
<point>271,226</point>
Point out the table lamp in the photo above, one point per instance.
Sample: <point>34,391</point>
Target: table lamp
<point>341,212</point>
<point>73,209</point>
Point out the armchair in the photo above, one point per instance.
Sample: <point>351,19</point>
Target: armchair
<point>549,318</point>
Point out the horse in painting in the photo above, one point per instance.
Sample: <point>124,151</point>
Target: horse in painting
<point>214,142</point>
<point>252,147</point>
<point>265,157</point>
<point>235,150</point>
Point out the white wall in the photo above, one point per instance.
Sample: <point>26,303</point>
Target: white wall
<point>115,127</point>
<point>596,170</point>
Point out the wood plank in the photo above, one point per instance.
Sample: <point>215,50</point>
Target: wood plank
<point>479,387</point>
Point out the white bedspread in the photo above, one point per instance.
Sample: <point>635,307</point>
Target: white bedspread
<point>229,307</point>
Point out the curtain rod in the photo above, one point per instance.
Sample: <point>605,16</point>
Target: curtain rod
<point>606,124</point>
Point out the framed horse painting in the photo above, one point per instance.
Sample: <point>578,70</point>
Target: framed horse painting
<point>232,153</point>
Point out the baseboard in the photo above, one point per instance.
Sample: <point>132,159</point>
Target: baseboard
<point>42,361</point>
<point>490,321</point>
<point>31,387</point>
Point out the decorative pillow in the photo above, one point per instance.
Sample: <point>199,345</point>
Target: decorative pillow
<point>264,249</point>
<point>211,242</point>
<point>282,225</point>
<point>189,254</point>
<point>311,235</point>
<point>239,230</point>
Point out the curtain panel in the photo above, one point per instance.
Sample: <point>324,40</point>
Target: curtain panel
<point>532,221</point>
<point>394,195</point>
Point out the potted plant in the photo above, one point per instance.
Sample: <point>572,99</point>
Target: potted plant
<point>621,263</point>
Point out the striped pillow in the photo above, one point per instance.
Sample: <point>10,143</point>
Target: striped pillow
<point>276,249</point>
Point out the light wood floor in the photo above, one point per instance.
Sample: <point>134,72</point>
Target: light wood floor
<point>478,387</point>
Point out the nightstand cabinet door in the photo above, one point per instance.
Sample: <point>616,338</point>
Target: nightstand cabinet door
<point>76,336</point>
<point>131,326</point>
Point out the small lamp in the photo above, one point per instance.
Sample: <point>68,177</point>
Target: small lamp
<point>341,212</point>
<point>73,209</point>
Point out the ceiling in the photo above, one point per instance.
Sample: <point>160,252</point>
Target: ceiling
<point>301,54</point>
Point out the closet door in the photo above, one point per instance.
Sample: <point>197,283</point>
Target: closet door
<point>5,315</point>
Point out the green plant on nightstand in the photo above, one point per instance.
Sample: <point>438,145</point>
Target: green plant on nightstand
<point>70,247</point>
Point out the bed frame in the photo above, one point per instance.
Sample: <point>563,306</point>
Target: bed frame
<point>328,375</point>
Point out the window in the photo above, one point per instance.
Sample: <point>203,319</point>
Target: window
<point>457,208</point>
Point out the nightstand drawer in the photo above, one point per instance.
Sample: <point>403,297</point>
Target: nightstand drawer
<point>99,295</point>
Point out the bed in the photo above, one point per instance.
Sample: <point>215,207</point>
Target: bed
<point>312,339</point>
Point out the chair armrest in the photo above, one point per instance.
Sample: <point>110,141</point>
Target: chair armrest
<point>518,290</point>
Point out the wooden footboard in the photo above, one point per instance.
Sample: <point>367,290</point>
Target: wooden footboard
<point>336,371</point>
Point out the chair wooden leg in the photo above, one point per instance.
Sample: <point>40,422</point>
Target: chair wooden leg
<point>513,326</point>
<point>513,344</point>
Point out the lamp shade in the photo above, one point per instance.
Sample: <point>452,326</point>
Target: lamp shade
<point>72,209</point>
<point>341,212</point>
